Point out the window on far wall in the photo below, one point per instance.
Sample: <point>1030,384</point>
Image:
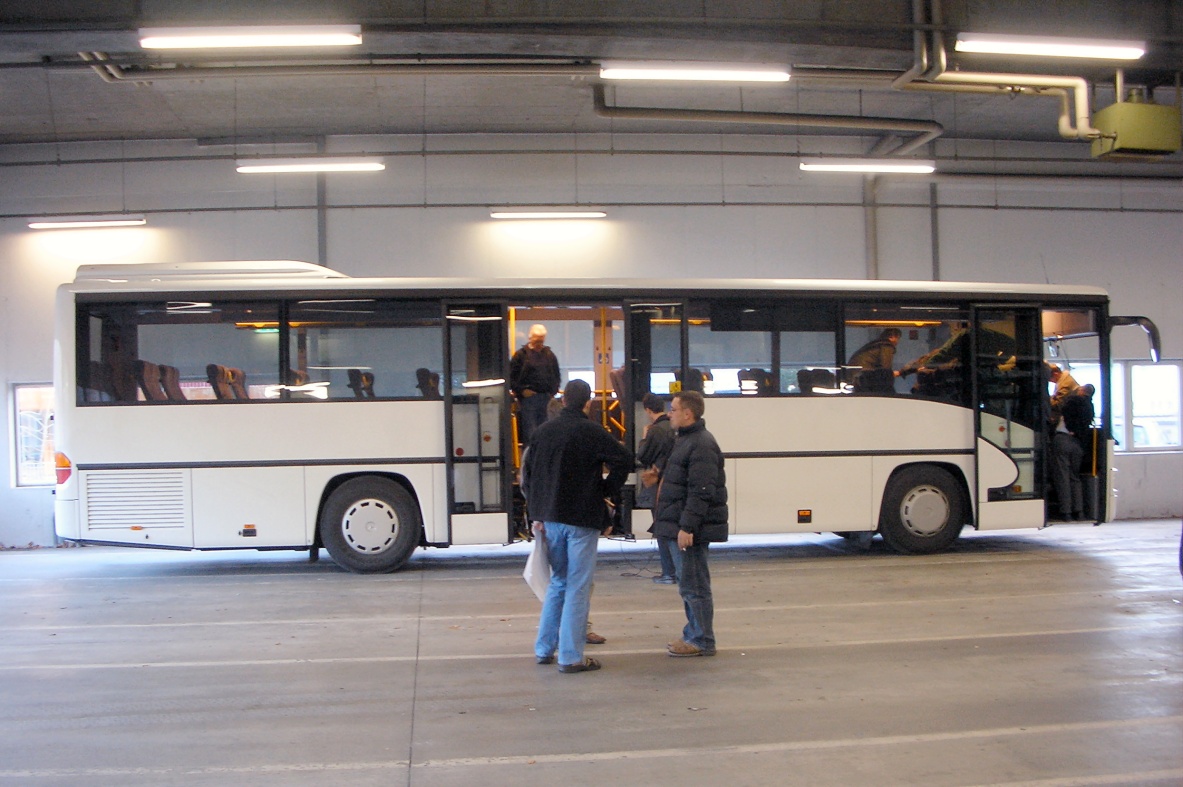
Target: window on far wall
<point>34,434</point>
<point>1147,401</point>
<point>1154,391</point>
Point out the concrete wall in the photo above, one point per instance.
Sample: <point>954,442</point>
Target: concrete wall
<point>743,209</point>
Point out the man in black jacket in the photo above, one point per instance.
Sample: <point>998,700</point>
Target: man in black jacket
<point>534,379</point>
<point>564,484</point>
<point>692,507</point>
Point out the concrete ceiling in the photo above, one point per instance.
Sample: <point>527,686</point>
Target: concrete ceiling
<point>844,55</point>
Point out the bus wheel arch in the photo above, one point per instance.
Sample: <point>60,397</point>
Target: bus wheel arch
<point>924,508</point>
<point>370,523</point>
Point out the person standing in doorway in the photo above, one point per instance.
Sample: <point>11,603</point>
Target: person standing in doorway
<point>534,379</point>
<point>565,488</point>
<point>692,507</point>
<point>652,454</point>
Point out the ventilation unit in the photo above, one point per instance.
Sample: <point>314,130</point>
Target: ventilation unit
<point>1137,128</point>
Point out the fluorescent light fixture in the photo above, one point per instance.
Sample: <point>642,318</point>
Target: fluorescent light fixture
<point>694,72</point>
<point>311,164</point>
<point>985,43</point>
<point>546,213</point>
<point>896,166</point>
<point>87,222</point>
<point>249,36</point>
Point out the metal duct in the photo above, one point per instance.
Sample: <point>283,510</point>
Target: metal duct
<point>926,131</point>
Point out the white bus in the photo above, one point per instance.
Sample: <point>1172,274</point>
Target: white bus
<point>282,405</point>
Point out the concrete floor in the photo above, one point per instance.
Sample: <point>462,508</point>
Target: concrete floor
<point>1018,658</point>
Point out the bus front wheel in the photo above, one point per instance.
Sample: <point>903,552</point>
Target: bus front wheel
<point>923,510</point>
<point>370,525</point>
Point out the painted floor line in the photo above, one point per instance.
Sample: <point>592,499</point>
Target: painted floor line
<point>796,746</point>
<point>709,752</point>
<point>1114,595</point>
<point>1173,776</point>
<point>599,652</point>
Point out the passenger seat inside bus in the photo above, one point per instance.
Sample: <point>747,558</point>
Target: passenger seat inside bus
<point>428,383</point>
<point>227,382</point>
<point>808,379</point>
<point>695,381</point>
<point>123,381</point>
<point>362,383</point>
<point>170,380</point>
<point>756,382</point>
<point>148,379</point>
<point>100,384</point>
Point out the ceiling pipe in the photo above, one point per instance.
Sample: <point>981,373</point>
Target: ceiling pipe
<point>105,68</point>
<point>112,72</point>
<point>930,61</point>
<point>926,130</point>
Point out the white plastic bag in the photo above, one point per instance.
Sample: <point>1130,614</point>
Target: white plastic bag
<point>537,573</point>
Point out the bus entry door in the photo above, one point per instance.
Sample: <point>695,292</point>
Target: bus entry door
<point>476,425</point>
<point>1009,390</point>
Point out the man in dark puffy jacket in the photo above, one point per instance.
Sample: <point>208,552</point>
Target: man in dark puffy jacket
<point>692,507</point>
<point>564,484</point>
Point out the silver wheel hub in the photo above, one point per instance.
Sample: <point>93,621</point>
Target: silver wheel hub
<point>924,511</point>
<point>369,526</point>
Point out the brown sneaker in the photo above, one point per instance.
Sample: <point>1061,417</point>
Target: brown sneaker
<point>588,665</point>
<point>595,639</point>
<point>682,648</point>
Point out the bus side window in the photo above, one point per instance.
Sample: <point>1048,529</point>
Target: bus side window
<point>807,341</point>
<point>365,348</point>
<point>728,338</point>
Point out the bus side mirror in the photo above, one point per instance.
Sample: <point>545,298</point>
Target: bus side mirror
<point>1148,326</point>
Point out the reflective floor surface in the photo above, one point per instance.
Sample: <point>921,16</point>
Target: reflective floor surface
<point>1017,658</point>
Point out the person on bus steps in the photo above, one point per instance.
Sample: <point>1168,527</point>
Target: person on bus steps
<point>534,379</point>
<point>1066,385</point>
<point>875,359</point>
<point>652,454</point>
<point>692,507</point>
<point>565,488</point>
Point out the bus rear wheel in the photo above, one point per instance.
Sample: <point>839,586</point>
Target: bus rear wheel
<point>923,510</point>
<point>370,525</point>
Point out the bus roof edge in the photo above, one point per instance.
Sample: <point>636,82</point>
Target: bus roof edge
<point>208,270</point>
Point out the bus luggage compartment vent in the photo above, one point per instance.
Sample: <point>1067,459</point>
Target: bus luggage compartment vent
<point>136,498</point>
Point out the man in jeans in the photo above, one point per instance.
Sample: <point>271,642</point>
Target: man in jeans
<point>564,484</point>
<point>692,507</point>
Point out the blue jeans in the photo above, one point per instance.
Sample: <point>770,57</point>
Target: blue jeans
<point>694,583</point>
<point>563,624</point>
<point>531,415</point>
<point>666,547</point>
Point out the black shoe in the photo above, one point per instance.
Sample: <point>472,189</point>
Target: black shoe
<point>544,659</point>
<point>588,665</point>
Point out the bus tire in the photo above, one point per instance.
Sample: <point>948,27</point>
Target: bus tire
<point>923,510</point>
<point>370,525</point>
